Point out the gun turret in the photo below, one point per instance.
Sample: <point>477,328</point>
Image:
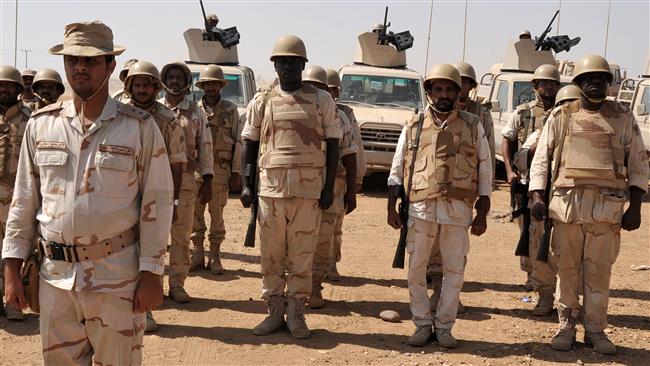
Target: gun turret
<point>402,40</point>
<point>555,43</point>
<point>228,37</point>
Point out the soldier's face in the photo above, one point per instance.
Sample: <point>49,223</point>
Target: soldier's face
<point>47,90</point>
<point>547,89</point>
<point>443,94</point>
<point>176,79</point>
<point>212,88</point>
<point>86,74</point>
<point>594,84</point>
<point>8,93</point>
<point>27,81</point>
<point>468,85</point>
<point>289,69</point>
<point>143,90</point>
<point>334,92</point>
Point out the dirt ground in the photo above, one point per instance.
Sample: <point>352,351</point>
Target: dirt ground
<point>496,330</point>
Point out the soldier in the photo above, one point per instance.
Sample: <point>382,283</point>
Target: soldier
<point>334,87</point>
<point>567,94</point>
<point>29,99</point>
<point>450,170</point>
<point>95,189</point>
<point>223,120</point>
<point>525,34</point>
<point>141,86</point>
<point>345,200</point>
<point>177,80</point>
<point>594,150</point>
<point>47,87</point>
<point>520,134</point>
<point>13,119</point>
<point>465,103</point>
<point>122,76</point>
<point>295,129</point>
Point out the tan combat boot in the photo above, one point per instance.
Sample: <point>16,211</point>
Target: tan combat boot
<point>544,305</point>
<point>528,286</point>
<point>150,323</point>
<point>275,319</point>
<point>421,336</point>
<point>565,337</point>
<point>445,339</point>
<point>600,342</point>
<point>179,295</point>
<point>198,255</point>
<point>296,318</point>
<point>334,274</point>
<point>316,300</point>
<point>215,258</point>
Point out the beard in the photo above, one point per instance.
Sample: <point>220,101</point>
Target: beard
<point>7,99</point>
<point>445,105</point>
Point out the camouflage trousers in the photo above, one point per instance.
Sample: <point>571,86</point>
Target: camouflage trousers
<point>89,327</point>
<point>338,239</point>
<point>324,253</point>
<point>543,274</point>
<point>217,227</point>
<point>584,254</point>
<point>179,251</point>
<point>288,233</point>
<point>452,242</point>
<point>4,213</point>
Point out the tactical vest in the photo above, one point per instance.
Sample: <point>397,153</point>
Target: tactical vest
<point>593,154</point>
<point>292,135</point>
<point>12,128</point>
<point>223,143</point>
<point>447,158</point>
<point>532,117</point>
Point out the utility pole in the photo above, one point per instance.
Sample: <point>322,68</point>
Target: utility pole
<point>557,28</point>
<point>465,32</point>
<point>426,60</point>
<point>16,38</point>
<point>609,12</point>
<point>26,52</point>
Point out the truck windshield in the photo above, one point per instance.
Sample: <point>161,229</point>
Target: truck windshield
<point>232,92</point>
<point>522,92</point>
<point>381,91</point>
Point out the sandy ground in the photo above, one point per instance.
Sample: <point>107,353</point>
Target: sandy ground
<point>497,328</point>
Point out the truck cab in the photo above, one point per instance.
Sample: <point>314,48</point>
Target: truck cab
<point>635,93</point>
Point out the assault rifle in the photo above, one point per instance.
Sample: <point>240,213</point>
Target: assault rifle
<point>249,241</point>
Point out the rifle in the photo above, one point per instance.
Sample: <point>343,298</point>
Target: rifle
<point>539,41</point>
<point>400,251</point>
<point>249,241</point>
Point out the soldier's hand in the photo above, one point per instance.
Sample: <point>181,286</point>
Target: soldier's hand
<point>539,210</point>
<point>326,199</point>
<point>350,201</point>
<point>14,290</point>
<point>479,224</point>
<point>149,293</point>
<point>205,192</point>
<point>246,197</point>
<point>512,176</point>
<point>394,220</point>
<point>235,182</point>
<point>631,218</point>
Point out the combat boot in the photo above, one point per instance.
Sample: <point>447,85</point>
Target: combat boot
<point>421,336</point>
<point>215,258</point>
<point>316,300</point>
<point>179,295</point>
<point>275,319</point>
<point>600,342</point>
<point>528,286</point>
<point>14,314</point>
<point>296,319</point>
<point>565,337</point>
<point>150,324</point>
<point>198,255</point>
<point>334,274</point>
<point>544,305</point>
<point>445,339</point>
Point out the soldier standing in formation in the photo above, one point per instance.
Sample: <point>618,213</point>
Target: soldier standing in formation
<point>523,129</point>
<point>447,180</point>
<point>94,185</point>
<point>177,80</point>
<point>48,87</point>
<point>296,132</point>
<point>345,200</point>
<point>141,86</point>
<point>567,94</point>
<point>594,152</point>
<point>223,121</point>
<point>13,120</point>
<point>28,97</point>
<point>334,87</point>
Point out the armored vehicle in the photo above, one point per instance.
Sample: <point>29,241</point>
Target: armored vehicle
<point>635,93</point>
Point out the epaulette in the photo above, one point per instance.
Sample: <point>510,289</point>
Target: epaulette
<point>163,112</point>
<point>54,107</point>
<point>132,111</point>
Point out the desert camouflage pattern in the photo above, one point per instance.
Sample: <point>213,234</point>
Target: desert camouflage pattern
<point>181,231</point>
<point>347,147</point>
<point>531,117</point>
<point>542,274</point>
<point>223,121</point>
<point>452,242</point>
<point>323,253</point>
<point>447,158</point>
<point>485,118</point>
<point>362,164</point>
<point>217,232</point>
<point>337,240</point>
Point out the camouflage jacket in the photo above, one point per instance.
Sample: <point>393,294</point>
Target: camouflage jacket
<point>12,128</point>
<point>223,121</point>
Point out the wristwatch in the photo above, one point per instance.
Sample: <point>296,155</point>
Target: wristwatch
<point>176,202</point>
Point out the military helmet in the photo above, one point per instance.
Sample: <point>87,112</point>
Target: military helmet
<point>546,72</point>
<point>289,45</point>
<point>179,64</point>
<point>142,68</point>
<point>443,71</point>
<point>524,33</point>
<point>125,68</point>
<point>316,74</point>
<point>466,70</point>
<point>333,79</point>
<point>211,73</point>
<point>592,63</point>
<point>567,93</point>
<point>11,74</point>
<point>28,72</point>
<point>48,75</point>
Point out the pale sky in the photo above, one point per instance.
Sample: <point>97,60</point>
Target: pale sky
<point>152,30</point>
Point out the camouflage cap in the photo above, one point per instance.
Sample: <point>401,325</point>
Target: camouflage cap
<point>87,39</point>
<point>28,72</point>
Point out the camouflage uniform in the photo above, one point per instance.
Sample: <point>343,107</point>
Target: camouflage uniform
<point>223,121</point>
<point>198,149</point>
<point>13,123</point>
<point>442,198</point>
<point>603,155</point>
<point>290,186</point>
<point>98,191</point>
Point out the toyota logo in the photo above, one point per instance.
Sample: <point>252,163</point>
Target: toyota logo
<point>380,135</point>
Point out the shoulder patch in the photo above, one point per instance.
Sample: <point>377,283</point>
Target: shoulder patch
<point>54,107</point>
<point>132,111</point>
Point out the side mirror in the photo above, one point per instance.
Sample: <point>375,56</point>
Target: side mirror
<point>640,109</point>
<point>496,107</point>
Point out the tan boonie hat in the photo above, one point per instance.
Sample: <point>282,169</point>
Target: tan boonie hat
<point>28,72</point>
<point>88,39</point>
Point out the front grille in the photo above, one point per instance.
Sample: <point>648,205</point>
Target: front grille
<point>379,139</point>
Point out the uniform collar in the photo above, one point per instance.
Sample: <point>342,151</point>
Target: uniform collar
<point>108,112</point>
<point>185,104</point>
